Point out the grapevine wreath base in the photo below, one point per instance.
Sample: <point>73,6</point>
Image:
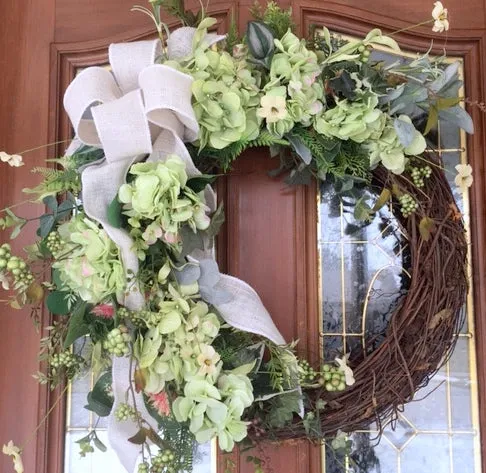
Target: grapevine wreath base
<point>421,332</point>
<point>183,354</point>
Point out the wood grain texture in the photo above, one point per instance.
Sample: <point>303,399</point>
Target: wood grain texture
<point>25,36</point>
<point>270,236</point>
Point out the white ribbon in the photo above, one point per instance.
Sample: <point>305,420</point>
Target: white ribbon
<point>143,108</point>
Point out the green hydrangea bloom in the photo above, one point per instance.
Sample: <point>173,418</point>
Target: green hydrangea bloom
<point>215,411</point>
<point>357,120</point>
<point>158,203</point>
<point>225,92</point>
<point>89,263</point>
<point>389,151</point>
<point>294,76</point>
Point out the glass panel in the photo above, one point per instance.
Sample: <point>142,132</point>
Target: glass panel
<point>363,277</point>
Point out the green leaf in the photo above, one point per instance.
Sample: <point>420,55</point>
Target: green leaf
<point>283,408</point>
<point>190,241</point>
<point>77,325</point>
<point>443,103</point>
<point>50,202</point>
<point>458,116</point>
<point>114,213</point>
<point>16,231</point>
<point>383,199</point>
<point>217,220</point>
<point>99,444</point>
<point>65,209</point>
<point>426,227</point>
<point>260,41</point>
<point>46,222</point>
<point>300,148</point>
<point>199,183</point>
<point>344,84</point>
<point>140,437</point>
<point>99,399</point>
<point>57,303</point>
<point>433,120</point>
<point>362,211</point>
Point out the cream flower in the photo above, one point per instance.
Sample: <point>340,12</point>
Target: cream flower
<point>4,281</point>
<point>348,372</point>
<point>14,160</point>
<point>14,451</point>
<point>464,178</point>
<point>273,108</point>
<point>207,360</point>
<point>439,14</point>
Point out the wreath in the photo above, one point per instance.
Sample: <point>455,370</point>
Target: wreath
<point>183,354</point>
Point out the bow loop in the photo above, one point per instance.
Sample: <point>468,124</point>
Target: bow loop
<point>127,60</point>
<point>167,90</point>
<point>123,128</point>
<point>92,86</point>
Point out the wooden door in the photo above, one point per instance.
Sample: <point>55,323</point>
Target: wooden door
<point>271,233</point>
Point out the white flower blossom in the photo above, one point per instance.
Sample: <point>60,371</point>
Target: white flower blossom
<point>273,108</point>
<point>439,14</point>
<point>14,160</point>
<point>14,451</point>
<point>207,360</point>
<point>464,178</point>
<point>348,372</point>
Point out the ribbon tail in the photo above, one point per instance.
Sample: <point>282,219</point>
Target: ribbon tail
<point>103,181</point>
<point>246,311</point>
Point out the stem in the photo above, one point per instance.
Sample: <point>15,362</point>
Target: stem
<point>411,27</point>
<point>17,205</point>
<point>43,146</point>
<point>33,434</point>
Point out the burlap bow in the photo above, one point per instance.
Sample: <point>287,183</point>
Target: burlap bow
<point>142,108</point>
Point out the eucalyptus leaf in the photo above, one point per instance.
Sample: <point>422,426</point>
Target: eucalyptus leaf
<point>46,222</point>
<point>405,131</point>
<point>300,148</point>
<point>190,241</point>
<point>217,220</point>
<point>458,116</point>
<point>50,202</point>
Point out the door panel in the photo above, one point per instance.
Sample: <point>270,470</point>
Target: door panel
<point>270,236</point>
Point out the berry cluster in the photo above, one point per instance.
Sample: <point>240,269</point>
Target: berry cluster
<point>67,361</point>
<point>365,54</point>
<point>307,374</point>
<point>16,266</point>
<point>408,205</point>
<point>136,318</point>
<point>118,341</point>
<point>54,243</point>
<point>163,462</point>
<point>125,412</point>
<point>333,378</point>
<point>420,174</point>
